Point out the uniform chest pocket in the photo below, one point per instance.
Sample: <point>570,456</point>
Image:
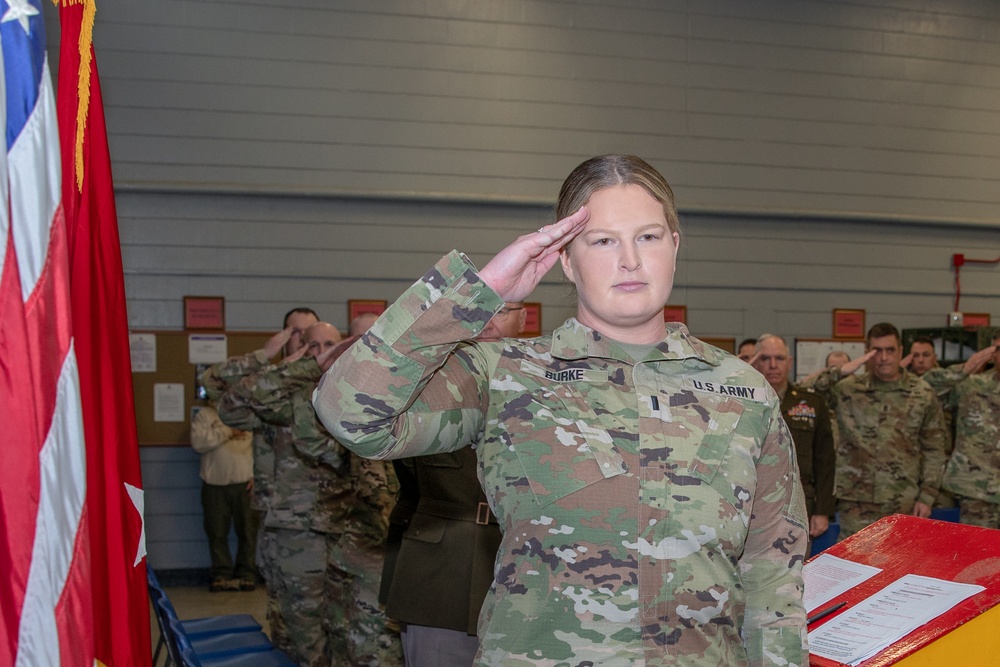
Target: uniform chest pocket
<point>990,399</point>
<point>557,439</point>
<point>424,528</point>
<point>729,435</point>
<point>976,412</point>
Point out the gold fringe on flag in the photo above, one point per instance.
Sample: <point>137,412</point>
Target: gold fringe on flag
<point>83,79</point>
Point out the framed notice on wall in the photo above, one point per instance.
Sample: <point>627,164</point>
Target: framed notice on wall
<point>848,323</point>
<point>357,307</point>
<point>675,314</point>
<point>728,344</point>
<point>975,320</point>
<point>532,320</point>
<point>204,312</point>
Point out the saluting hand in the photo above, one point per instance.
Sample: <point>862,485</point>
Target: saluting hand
<point>854,364</point>
<point>297,354</point>
<point>979,360</point>
<point>274,344</point>
<point>517,269</point>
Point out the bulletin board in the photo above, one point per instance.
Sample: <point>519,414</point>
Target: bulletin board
<point>173,367</point>
<point>810,353</point>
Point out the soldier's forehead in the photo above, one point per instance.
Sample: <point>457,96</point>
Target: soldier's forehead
<point>301,319</point>
<point>774,342</point>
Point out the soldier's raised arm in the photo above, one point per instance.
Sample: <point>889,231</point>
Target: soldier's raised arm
<point>218,378</point>
<point>365,398</point>
<point>385,397</point>
<point>944,380</point>
<point>824,382</point>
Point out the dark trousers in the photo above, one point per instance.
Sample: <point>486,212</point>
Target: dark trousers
<point>226,506</point>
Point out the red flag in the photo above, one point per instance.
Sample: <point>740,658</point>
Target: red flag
<point>100,326</point>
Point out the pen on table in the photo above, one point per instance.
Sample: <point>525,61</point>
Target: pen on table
<point>823,614</point>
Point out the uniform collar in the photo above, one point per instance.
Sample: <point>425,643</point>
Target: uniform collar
<point>906,379</point>
<point>575,341</point>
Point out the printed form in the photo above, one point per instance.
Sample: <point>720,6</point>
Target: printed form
<point>825,577</point>
<point>885,617</point>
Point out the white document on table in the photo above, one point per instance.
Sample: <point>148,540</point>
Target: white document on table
<point>886,617</point>
<point>825,577</point>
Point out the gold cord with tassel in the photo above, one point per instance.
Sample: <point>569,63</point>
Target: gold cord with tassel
<point>83,79</point>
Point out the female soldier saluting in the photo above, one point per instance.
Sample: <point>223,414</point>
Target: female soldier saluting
<point>644,481</point>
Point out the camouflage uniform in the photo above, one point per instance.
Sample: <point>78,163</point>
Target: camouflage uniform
<point>217,379</point>
<point>652,512</point>
<point>945,498</point>
<point>352,506</point>
<point>973,471</point>
<point>293,539</point>
<point>891,445</point>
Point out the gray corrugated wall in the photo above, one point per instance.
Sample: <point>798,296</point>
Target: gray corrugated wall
<point>824,154</point>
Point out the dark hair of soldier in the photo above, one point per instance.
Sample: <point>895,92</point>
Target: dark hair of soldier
<point>881,330</point>
<point>300,309</point>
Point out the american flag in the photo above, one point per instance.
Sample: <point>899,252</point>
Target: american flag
<point>70,493</point>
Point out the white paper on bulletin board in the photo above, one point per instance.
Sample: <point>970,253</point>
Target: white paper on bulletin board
<point>810,353</point>
<point>142,348</point>
<point>168,402</point>
<point>206,348</point>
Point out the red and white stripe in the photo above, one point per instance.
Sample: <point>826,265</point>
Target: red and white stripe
<point>43,469</point>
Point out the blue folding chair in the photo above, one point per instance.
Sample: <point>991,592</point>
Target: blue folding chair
<point>220,646</point>
<point>200,628</point>
<point>210,638</point>
<point>166,641</point>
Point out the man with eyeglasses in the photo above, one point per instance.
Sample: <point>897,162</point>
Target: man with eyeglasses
<point>508,323</point>
<point>809,421</point>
